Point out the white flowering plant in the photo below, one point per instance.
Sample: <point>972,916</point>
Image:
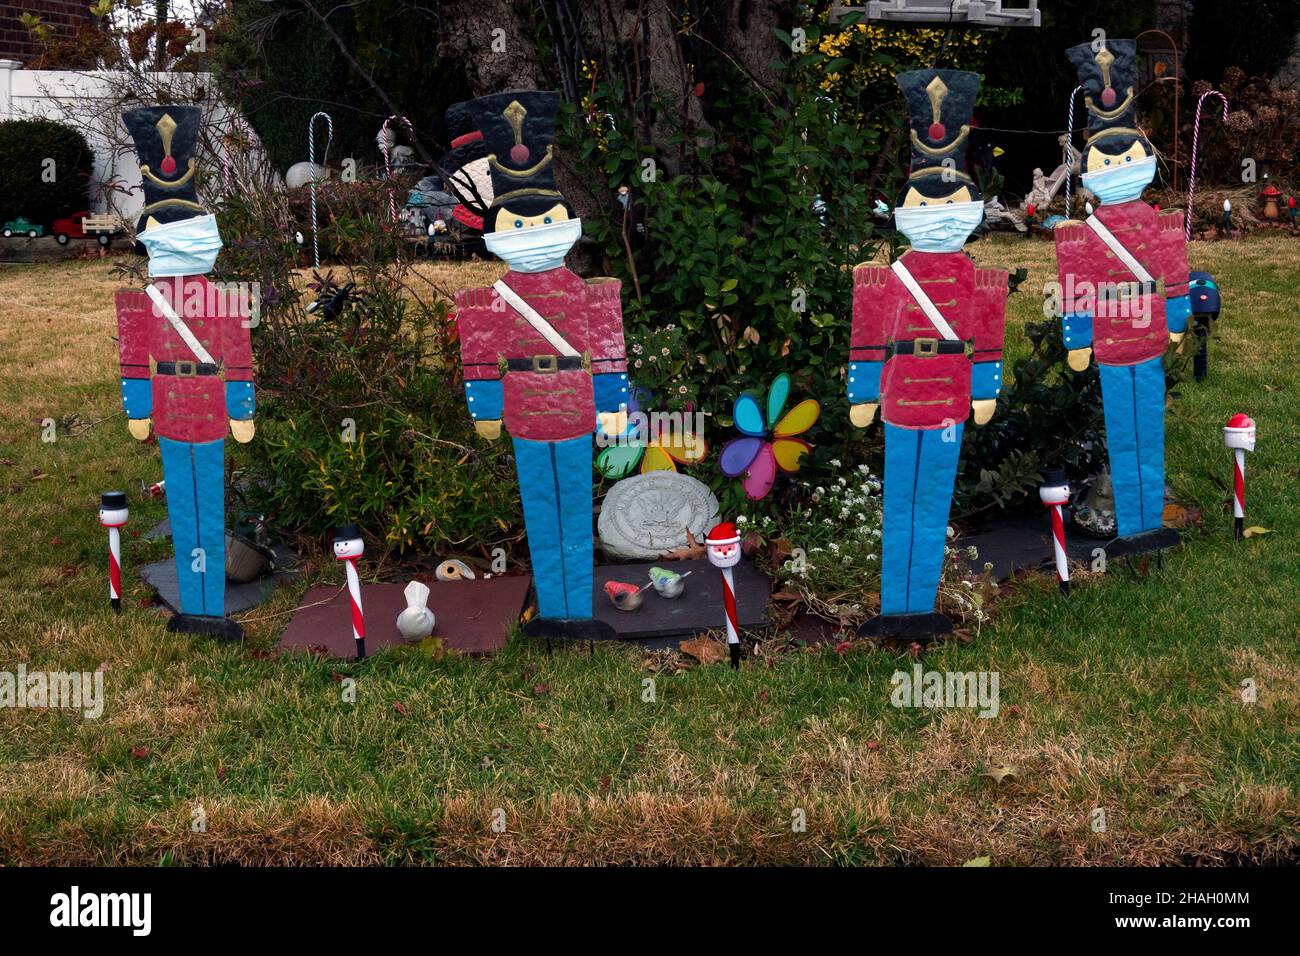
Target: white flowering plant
<point>834,543</point>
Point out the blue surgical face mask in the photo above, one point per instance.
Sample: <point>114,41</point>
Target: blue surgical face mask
<point>941,228</point>
<point>534,248</point>
<point>185,248</point>
<point>1122,182</point>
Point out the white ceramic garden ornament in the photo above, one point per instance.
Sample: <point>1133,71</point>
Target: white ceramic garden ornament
<point>416,622</point>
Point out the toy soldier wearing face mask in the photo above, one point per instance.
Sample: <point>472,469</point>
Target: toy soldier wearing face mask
<point>1124,278</point>
<point>198,337</point>
<point>543,350</point>
<point>926,348</point>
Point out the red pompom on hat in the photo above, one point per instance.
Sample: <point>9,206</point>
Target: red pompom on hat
<point>1239,420</point>
<point>724,533</point>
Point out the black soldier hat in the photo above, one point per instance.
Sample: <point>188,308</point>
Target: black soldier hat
<point>519,138</point>
<point>940,104</point>
<point>166,140</point>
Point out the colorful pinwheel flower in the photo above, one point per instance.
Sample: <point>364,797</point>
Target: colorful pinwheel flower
<point>663,451</point>
<point>756,455</point>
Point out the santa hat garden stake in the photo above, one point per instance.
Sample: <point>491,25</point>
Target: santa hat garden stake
<point>723,543</point>
<point>1054,492</point>
<point>1239,435</point>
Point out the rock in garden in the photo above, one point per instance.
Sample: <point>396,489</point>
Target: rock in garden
<point>646,515</point>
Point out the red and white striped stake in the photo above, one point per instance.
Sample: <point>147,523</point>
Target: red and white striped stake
<point>113,515</point>
<point>348,546</point>
<point>358,618</point>
<point>1054,492</point>
<point>723,546</point>
<point>1239,435</point>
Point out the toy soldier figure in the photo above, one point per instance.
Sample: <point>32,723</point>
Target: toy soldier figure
<point>198,336</point>
<point>543,351</point>
<point>926,347</point>
<point>1124,279</point>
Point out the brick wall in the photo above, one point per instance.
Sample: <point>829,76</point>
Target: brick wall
<point>63,16</point>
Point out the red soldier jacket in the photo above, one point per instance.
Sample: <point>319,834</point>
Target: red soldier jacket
<point>513,372</point>
<point>187,400</point>
<point>898,358</point>
<point>1102,305</point>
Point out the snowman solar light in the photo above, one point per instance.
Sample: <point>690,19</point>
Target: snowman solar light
<point>348,546</point>
<point>113,515</point>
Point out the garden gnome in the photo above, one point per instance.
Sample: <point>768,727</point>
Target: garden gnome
<point>1054,493</point>
<point>1239,435</point>
<point>113,515</point>
<point>543,351</point>
<point>348,546</point>
<point>926,348</point>
<point>723,546</point>
<point>1204,293</point>
<point>1124,276</point>
<point>198,335</point>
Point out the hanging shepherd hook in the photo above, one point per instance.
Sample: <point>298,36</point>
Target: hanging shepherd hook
<point>238,127</point>
<point>1068,153</point>
<point>315,171</point>
<point>1196,134</point>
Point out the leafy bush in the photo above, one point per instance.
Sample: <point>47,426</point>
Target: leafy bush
<point>360,410</point>
<point>746,254</point>
<point>45,170</point>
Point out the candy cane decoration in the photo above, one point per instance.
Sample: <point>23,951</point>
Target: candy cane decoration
<point>723,544</point>
<point>1196,135</point>
<point>317,170</point>
<point>113,515</point>
<point>1054,493</point>
<point>388,169</point>
<point>1069,149</point>
<point>1239,435</point>
<point>348,546</point>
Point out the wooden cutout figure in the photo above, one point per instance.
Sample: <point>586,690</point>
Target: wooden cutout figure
<point>926,348</point>
<point>543,351</point>
<point>198,335</point>
<point>1124,276</point>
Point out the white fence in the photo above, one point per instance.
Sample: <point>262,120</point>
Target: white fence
<point>91,102</point>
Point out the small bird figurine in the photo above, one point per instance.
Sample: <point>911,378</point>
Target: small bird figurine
<point>667,583</point>
<point>625,597</point>
<point>416,622</point>
<point>453,569</point>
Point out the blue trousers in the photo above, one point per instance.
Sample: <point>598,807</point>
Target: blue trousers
<point>1133,398</point>
<point>555,486</point>
<point>920,469</point>
<point>196,507</point>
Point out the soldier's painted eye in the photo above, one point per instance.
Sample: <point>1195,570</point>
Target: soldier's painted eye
<point>547,220</point>
<point>1128,159</point>
<point>949,202</point>
<point>1107,162</point>
<point>519,224</point>
<point>925,204</point>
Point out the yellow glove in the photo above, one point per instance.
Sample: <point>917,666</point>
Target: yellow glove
<point>1079,359</point>
<point>863,414</point>
<point>242,430</point>
<point>138,427</point>
<point>1177,339</point>
<point>613,423</point>
<point>983,409</point>
<point>488,428</point>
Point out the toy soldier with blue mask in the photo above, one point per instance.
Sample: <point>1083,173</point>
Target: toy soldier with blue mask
<point>543,352</point>
<point>197,336</point>
<point>1124,284</point>
<point>926,349</point>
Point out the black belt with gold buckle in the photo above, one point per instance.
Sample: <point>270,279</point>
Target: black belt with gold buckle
<point>929,347</point>
<point>546,364</point>
<point>187,369</point>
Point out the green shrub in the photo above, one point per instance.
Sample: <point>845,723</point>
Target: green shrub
<point>45,170</point>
